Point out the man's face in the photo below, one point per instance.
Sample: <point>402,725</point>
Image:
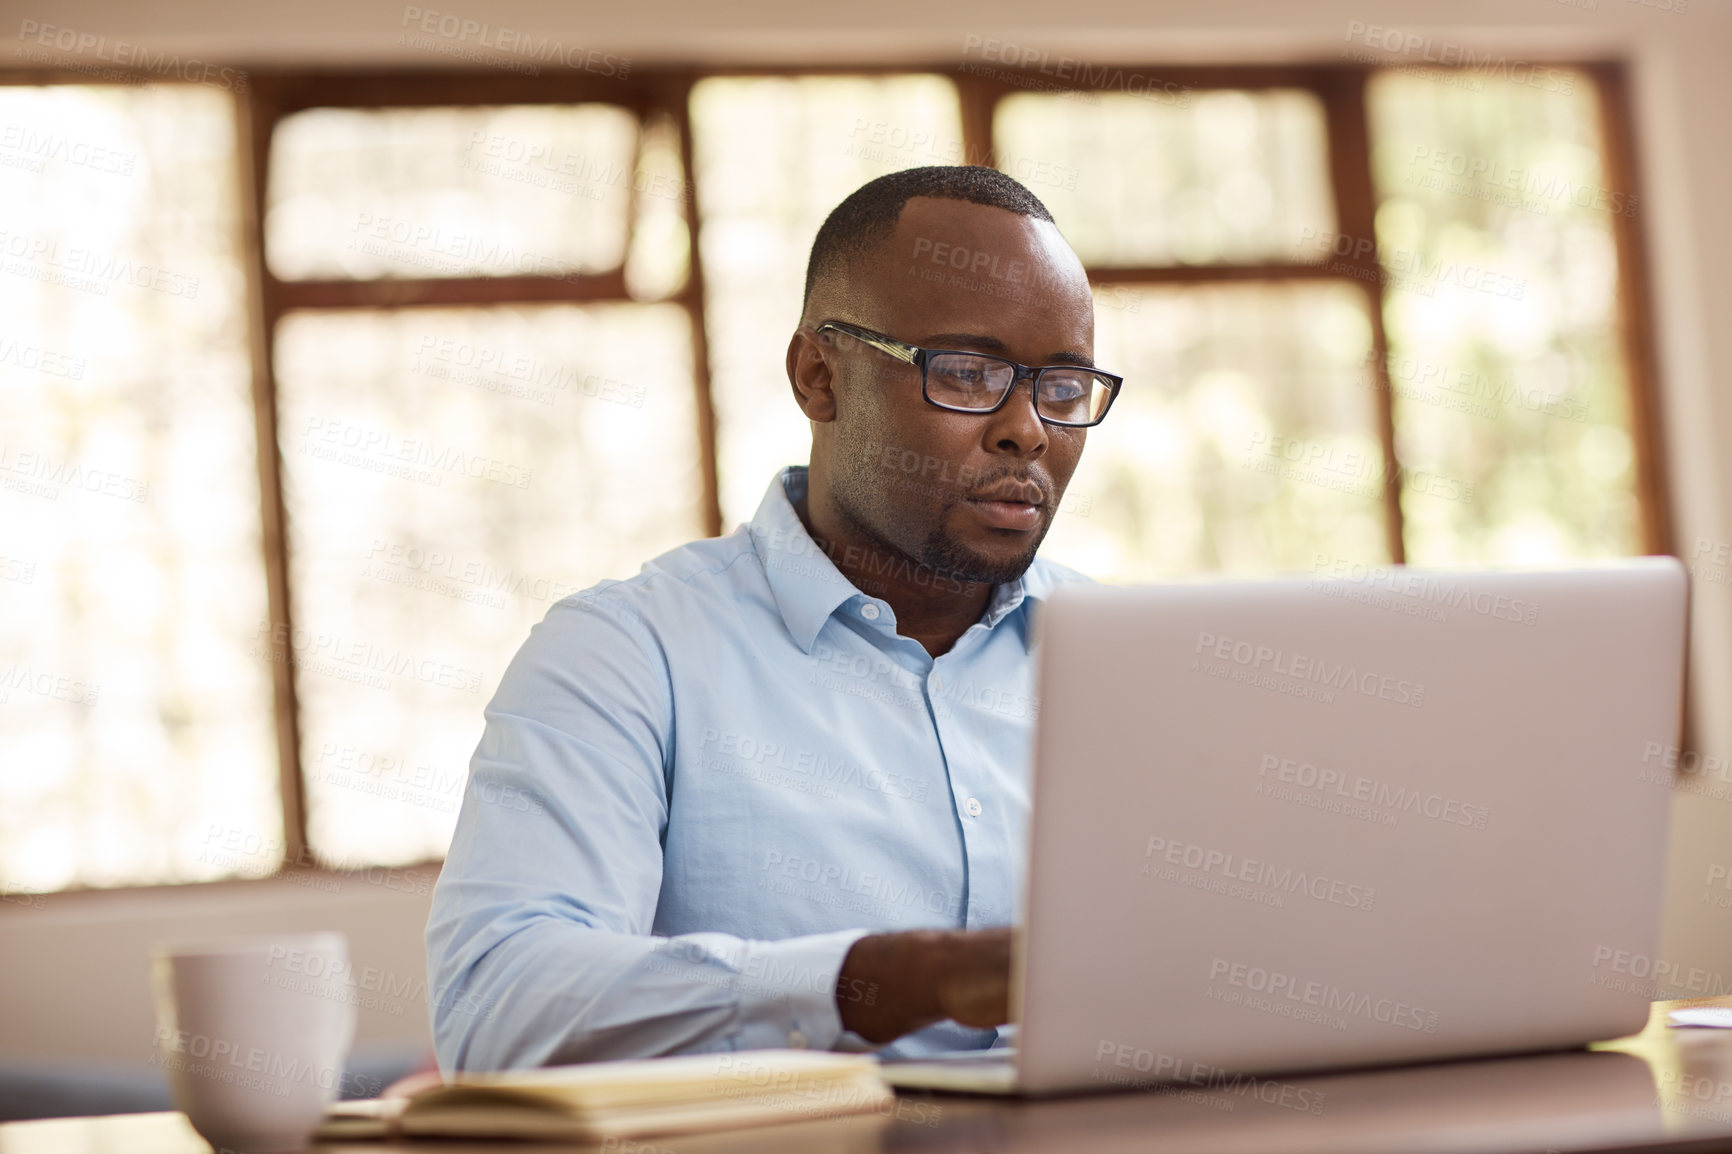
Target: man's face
<point>968,495</point>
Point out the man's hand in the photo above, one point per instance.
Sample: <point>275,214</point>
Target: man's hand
<point>894,984</point>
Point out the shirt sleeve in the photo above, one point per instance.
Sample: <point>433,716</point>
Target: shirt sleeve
<point>539,948</point>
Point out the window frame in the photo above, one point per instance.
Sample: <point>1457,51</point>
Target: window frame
<point>648,92</point>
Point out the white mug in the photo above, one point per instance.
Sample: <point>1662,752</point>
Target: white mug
<point>253,1034</point>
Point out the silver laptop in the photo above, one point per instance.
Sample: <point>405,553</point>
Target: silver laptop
<point>1303,823</point>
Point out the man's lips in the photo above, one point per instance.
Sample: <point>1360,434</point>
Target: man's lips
<point>1010,505</point>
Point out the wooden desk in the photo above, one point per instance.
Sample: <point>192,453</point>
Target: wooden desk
<point>1662,1089</point>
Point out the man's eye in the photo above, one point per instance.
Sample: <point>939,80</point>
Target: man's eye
<point>966,376</point>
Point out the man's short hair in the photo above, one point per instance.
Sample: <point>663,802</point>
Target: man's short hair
<point>869,214</point>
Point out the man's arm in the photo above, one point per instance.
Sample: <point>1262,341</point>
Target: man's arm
<point>539,942</point>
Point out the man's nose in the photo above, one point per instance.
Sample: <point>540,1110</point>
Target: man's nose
<point>1017,427</point>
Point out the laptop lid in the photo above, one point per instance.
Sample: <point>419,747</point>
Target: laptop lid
<point>1291,824</point>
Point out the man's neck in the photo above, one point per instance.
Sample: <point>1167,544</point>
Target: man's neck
<point>931,607</point>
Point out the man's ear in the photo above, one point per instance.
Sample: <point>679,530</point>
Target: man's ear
<point>809,374</point>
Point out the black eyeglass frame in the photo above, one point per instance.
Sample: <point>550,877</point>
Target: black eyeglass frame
<point>919,357</point>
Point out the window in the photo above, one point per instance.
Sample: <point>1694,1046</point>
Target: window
<point>1497,210</point>
<point>449,471</point>
<point>132,718</point>
<point>314,398</point>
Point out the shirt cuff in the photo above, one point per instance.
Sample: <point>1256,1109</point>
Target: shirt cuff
<point>788,992</point>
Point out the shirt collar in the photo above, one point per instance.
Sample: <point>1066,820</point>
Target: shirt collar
<point>809,588</point>
<point>806,584</point>
<point>1032,588</point>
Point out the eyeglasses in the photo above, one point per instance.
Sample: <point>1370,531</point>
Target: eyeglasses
<point>1070,395</point>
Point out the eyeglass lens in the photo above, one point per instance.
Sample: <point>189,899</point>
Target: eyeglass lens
<point>965,381</point>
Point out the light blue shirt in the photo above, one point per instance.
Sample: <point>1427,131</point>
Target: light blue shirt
<point>698,787</point>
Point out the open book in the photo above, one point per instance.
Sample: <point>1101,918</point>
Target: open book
<point>625,1099</point>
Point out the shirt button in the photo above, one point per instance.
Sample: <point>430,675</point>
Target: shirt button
<point>869,611</point>
<point>972,805</point>
<point>796,1039</point>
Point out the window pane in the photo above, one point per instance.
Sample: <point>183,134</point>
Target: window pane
<point>1496,225</point>
<point>1244,439</point>
<point>1221,177</point>
<point>661,246</point>
<point>773,157</point>
<point>449,474</point>
<point>444,192</point>
<point>133,720</point>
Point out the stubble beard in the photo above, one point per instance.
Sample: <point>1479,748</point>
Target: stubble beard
<point>939,553</point>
